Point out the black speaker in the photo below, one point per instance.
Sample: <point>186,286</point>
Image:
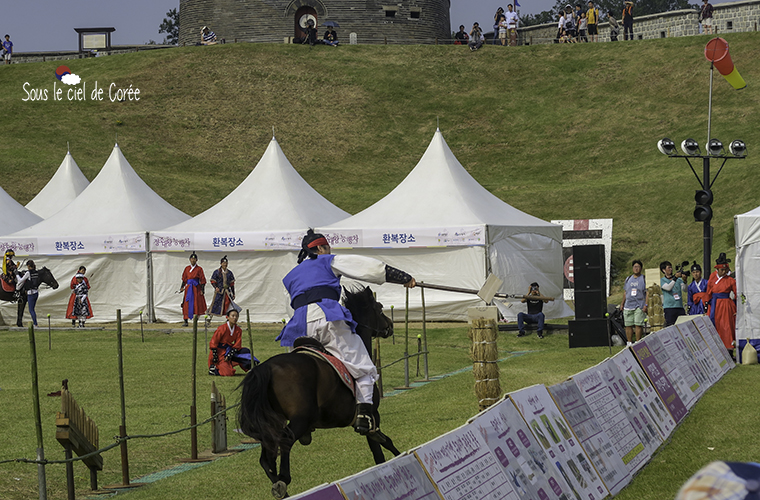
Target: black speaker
<point>588,256</point>
<point>590,304</point>
<point>588,279</point>
<point>589,333</point>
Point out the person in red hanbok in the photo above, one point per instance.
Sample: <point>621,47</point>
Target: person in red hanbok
<point>226,349</point>
<point>79,307</point>
<point>721,307</point>
<point>193,284</point>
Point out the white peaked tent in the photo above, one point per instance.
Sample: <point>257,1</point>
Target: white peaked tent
<point>259,226</point>
<point>747,230</point>
<point>442,227</point>
<point>105,229</point>
<point>15,217</point>
<point>65,185</point>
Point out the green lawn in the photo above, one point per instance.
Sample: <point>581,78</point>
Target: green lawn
<point>157,382</point>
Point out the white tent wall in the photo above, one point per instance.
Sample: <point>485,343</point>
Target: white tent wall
<point>519,259</point>
<point>258,282</point>
<point>119,281</point>
<point>747,231</point>
<point>462,267</point>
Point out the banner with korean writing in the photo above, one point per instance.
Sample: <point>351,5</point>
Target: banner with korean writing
<point>461,466</point>
<point>77,245</point>
<point>596,386</point>
<point>647,396</point>
<point>592,436</point>
<point>657,375</point>
<point>525,462</point>
<point>402,478</point>
<point>407,237</point>
<point>566,455</point>
<point>225,241</point>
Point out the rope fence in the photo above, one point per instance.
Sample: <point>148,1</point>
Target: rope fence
<point>118,442</point>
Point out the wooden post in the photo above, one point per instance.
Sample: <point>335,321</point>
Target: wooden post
<point>250,335</point>
<point>424,336</point>
<point>41,479</point>
<point>379,367</point>
<point>123,426</point>
<point>484,334</point>
<point>406,344</point>
<point>142,333</point>
<point>69,472</point>
<point>193,416</point>
<point>219,424</point>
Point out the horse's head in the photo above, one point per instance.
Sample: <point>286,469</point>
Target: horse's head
<point>367,312</point>
<point>46,276</point>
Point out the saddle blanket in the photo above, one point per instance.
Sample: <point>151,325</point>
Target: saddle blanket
<point>337,365</point>
<point>7,286</point>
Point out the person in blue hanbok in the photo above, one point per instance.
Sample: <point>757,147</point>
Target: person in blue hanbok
<point>314,288</point>
<point>697,286</point>
<point>223,282</point>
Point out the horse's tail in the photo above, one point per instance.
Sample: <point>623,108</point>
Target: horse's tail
<point>256,416</point>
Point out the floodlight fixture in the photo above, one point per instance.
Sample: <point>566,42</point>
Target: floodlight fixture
<point>715,147</point>
<point>738,148</point>
<point>690,147</point>
<point>666,146</point>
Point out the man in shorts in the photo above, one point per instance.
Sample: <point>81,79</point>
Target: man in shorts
<point>706,16</point>
<point>592,17</point>
<point>634,303</point>
<point>7,49</point>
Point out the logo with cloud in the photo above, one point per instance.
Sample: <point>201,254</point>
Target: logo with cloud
<point>64,74</point>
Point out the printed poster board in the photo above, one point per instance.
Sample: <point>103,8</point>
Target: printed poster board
<point>707,362</point>
<point>639,383</point>
<point>683,385</point>
<point>463,468</point>
<point>402,478</point>
<point>593,438</point>
<point>657,375</point>
<point>545,421</point>
<point>710,334</point>
<point>322,492</point>
<point>524,461</point>
<point>594,384</point>
<point>680,355</point>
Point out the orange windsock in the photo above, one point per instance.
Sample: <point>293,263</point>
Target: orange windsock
<point>716,51</point>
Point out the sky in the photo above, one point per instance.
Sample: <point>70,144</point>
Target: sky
<point>48,25</point>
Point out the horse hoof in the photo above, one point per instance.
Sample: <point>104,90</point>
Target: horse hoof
<point>279,490</point>
<point>305,439</point>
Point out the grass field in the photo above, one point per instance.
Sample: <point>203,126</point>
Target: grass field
<point>558,131</point>
<point>158,395</point>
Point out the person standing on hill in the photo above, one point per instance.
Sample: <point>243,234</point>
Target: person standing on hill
<point>592,20</point>
<point>673,288</point>
<point>496,21</point>
<point>614,27</point>
<point>634,303</point>
<point>628,20</point>
<point>512,22</point>
<point>706,16</point>
<point>193,284</point>
<point>7,49</point>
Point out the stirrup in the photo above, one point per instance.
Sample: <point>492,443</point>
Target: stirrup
<point>364,423</point>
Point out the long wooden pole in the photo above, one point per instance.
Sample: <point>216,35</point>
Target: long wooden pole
<point>123,426</point>
<point>193,415</point>
<point>41,479</point>
<point>250,335</point>
<point>424,336</point>
<point>475,292</point>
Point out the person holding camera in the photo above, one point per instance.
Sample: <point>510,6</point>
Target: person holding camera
<point>634,305</point>
<point>476,37</point>
<point>673,287</point>
<point>535,314</point>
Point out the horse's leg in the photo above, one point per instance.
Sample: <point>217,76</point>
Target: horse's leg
<point>298,427</point>
<point>268,462</point>
<point>21,307</point>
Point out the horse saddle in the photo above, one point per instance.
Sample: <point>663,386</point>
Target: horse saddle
<point>8,287</point>
<point>314,348</point>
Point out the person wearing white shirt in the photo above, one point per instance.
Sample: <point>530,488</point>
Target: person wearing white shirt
<point>512,22</point>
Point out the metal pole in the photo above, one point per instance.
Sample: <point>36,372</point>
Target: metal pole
<point>142,333</point>
<point>123,426</point>
<point>205,333</point>
<point>41,480</point>
<point>50,335</point>
<point>193,416</point>
<point>393,337</point>
<point>424,335</point>
<point>406,340</point>
<point>250,335</point>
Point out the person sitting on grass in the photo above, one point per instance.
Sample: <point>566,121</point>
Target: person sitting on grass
<point>535,314</point>
<point>208,37</point>
<point>226,349</point>
<point>476,37</point>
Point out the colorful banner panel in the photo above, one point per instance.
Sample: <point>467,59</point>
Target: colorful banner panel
<point>673,369</point>
<point>680,355</point>
<point>659,378</point>
<point>596,387</point>
<point>708,364</point>
<point>594,440</point>
<point>463,468</point>
<point>403,478</point>
<point>76,245</point>
<point>545,420</point>
<point>639,383</point>
<point>525,463</point>
<point>710,334</point>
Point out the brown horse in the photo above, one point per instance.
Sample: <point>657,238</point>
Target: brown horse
<point>45,276</point>
<point>289,395</point>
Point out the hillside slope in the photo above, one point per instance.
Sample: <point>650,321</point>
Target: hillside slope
<point>559,131</point>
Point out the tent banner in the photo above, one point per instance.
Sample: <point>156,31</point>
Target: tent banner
<point>76,245</point>
<point>407,237</point>
<point>226,241</point>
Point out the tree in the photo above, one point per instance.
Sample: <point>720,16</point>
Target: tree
<point>170,26</point>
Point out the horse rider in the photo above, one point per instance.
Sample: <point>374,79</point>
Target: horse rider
<point>9,267</point>
<point>314,288</point>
